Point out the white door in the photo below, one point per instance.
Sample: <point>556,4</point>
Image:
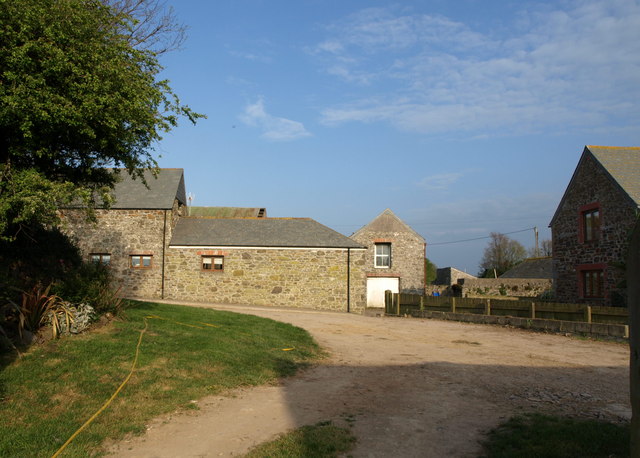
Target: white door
<point>376,286</point>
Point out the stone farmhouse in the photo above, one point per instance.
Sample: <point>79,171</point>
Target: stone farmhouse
<point>591,226</point>
<point>155,251</point>
<point>395,257</point>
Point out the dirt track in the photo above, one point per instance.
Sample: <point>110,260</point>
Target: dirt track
<point>407,387</point>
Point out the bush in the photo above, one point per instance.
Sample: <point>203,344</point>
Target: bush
<point>90,284</point>
<point>36,256</point>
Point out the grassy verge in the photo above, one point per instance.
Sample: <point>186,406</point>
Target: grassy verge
<point>186,353</point>
<point>543,436</point>
<point>323,440</point>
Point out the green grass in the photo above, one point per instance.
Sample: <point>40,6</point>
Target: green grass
<point>53,389</point>
<point>543,436</point>
<point>318,441</point>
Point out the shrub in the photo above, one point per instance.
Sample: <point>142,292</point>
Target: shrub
<point>90,284</point>
<point>39,308</point>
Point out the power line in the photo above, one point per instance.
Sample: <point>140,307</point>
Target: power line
<point>479,238</point>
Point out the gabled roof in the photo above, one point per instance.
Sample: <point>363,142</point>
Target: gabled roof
<point>131,193</point>
<point>623,165</point>
<point>387,221</point>
<point>258,232</point>
<point>531,268</point>
<point>620,163</point>
<point>228,212</point>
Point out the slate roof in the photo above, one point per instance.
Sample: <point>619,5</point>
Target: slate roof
<point>387,221</point>
<point>258,232</point>
<point>228,212</point>
<point>623,165</point>
<point>132,194</point>
<point>620,163</point>
<point>531,268</point>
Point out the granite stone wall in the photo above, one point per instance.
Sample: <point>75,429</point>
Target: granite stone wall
<point>617,217</point>
<point>304,278</point>
<point>122,233</point>
<point>407,257</point>
<point>518,287</point>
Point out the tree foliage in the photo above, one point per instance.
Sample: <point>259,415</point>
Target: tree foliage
<point>430,271</point>
<point>77,95</point>
<point>501,254</point>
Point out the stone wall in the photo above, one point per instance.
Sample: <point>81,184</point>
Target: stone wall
<point>305,278</point>
<point>122,233</point>
<point>617,217</point>
<point>407,257</point>
<point>517,287</point>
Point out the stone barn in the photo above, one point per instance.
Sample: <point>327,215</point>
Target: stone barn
<point>154,251</point>
<point>395,257</point>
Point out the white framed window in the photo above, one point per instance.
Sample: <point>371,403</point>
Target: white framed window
<point>382,255</point>
<point>213,263</point>
<point>100,258</point>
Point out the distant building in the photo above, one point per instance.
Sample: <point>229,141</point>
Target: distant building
<point>531,268</point>
<point>450,276</point>
<point>591,225</point>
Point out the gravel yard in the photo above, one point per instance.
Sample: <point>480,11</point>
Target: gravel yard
<point>407,387</point>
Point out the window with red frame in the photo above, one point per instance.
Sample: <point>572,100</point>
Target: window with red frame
<point>591,225</point>
<point>213,263</point>
<point>592,283</point>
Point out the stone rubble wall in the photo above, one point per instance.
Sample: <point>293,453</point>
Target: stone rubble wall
<point>517,287</point>
<point>122,233</point>
<point>617,217</point>
<point>407,258</point>
<point>304,278</point>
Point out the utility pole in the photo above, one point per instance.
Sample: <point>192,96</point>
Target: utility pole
<point>535,231</point>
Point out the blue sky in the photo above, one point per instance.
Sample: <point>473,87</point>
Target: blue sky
<point>464,117</point>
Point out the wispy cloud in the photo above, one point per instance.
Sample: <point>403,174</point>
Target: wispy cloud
<point>577,68</point>
<point>273,128</point>
<point>440,181</point>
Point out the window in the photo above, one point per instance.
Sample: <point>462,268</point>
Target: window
<point>383,255</point>
<point>100,258</point>
<point>213,263</point>
<point>591,225</point>
<point>592,283</point>
<point>140,261</point>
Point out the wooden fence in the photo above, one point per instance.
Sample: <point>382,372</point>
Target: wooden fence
<point>406,304</point>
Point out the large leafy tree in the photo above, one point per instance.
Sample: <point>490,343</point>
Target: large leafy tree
<point>500,255</point>
<point>77,94</point>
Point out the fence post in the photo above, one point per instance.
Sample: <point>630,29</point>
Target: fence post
<point>387,301</point>
<point>421,303</point>
<point>398,303</point>
<point>533,309</point>
<point>453,304</point>
<point>587,314</point>
<point>487,307</point>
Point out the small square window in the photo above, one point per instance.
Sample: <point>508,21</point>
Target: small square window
<point>591,225</point>
<point>382,255</point>
<point>213,263</point>
<point>100,258</point>
<point>140,261</point>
